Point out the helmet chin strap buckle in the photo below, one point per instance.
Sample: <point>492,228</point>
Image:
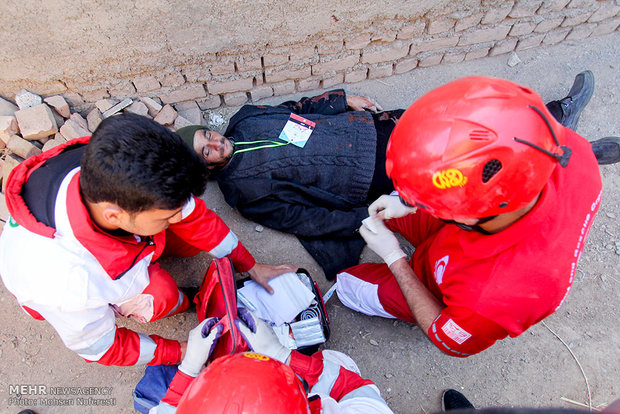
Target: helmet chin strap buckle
<point>565,157</point>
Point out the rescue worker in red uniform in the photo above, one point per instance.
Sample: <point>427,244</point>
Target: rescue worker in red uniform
<point>272,379</point>
<point>99,212</point>
<point>497,197</point>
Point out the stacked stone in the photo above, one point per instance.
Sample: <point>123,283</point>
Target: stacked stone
<point>34,124</point>
<point>393,46</point>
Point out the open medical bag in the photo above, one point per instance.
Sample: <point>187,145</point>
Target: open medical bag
<point>310,327</point>
<point>217,296</point>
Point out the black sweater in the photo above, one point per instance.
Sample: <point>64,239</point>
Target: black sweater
<point>318,192</point>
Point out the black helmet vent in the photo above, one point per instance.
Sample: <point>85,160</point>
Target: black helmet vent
<point>490,169</point>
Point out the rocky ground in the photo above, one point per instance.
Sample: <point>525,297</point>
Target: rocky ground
<point>535,369</point>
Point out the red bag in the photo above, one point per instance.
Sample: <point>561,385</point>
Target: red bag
<point>218,297</point>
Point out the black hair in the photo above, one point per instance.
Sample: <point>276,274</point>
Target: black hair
<point>140,165</point>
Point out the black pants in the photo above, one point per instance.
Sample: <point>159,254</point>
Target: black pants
<point>384,124</point>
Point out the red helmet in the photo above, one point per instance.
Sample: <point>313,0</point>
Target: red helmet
<point>245,383</point>
<point>473,148</point>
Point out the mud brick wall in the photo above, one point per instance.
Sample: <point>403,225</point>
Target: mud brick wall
<point>229,53</point>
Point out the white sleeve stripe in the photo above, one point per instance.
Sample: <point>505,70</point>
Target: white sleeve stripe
<point>367,391</point>
<point>147,349</point>
<point>179,301</point>
<point>100,347</point>
<point>327,379</point>
<point>188,208</point>
<point>226,246</point>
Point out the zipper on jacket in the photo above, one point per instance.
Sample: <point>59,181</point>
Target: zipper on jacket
<point>148,242</point>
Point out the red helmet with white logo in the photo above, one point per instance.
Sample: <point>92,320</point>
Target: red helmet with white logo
<point>475,147</point>
<point>245,383</point>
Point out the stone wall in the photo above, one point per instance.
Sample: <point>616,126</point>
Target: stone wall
<point>230,52</point>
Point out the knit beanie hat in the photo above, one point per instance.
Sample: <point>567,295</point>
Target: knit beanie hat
<point>187,134</point>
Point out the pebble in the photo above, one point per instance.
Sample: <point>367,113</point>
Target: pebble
<point>388,375</point>
<point>610,215</point>
<point>216,119</point>
<point>26,99</point>
<point>513,60</point>
<point>373,342</point>
<point>259,228</point>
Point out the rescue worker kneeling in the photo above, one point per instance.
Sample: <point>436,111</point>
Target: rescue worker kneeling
<point>272,379</point>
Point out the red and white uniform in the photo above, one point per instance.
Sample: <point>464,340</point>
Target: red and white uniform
<point>492,285</point>
<point>333,377</point>
<point>79,277</point>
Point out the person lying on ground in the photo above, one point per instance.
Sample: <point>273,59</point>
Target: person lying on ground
<point>320,192</point>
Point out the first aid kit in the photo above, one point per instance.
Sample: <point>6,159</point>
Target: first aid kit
<point>296,311</point>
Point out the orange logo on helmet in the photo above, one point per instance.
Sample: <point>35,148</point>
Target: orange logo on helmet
<point>254,355</point>
<point>449,178</point>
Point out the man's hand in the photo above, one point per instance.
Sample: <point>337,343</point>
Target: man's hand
<point>201,342</point>
<point>382,241</point>
<point>260,337</point>
<point>389,207</point>
<point>359,103</point>
<point>263,273</point>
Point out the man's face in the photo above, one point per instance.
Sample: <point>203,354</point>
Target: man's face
<point>149,222</point>
<point>214,148</point>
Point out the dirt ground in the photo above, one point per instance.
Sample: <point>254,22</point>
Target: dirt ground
<point>535,369</point>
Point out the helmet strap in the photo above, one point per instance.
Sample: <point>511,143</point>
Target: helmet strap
<point>566,151</point>
<point>475,227</point>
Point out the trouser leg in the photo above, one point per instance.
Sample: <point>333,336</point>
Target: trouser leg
<point>370,288</point>
<point>159,299</point>
<point>556,110</point>
<point>384,124</point>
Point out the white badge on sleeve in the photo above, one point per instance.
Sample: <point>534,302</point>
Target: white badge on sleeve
<point>297,130</point>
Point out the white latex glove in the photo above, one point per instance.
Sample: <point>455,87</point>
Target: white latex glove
<point>260,337</point>
<point>390,206</point>
<point>382,241</point>
<point>201,342</point>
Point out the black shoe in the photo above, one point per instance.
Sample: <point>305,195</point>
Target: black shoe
<point>454,400</point>
<point>577,99</point>
<point>606,150</point>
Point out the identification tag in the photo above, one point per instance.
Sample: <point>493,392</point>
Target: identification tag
<point>297,130</point>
